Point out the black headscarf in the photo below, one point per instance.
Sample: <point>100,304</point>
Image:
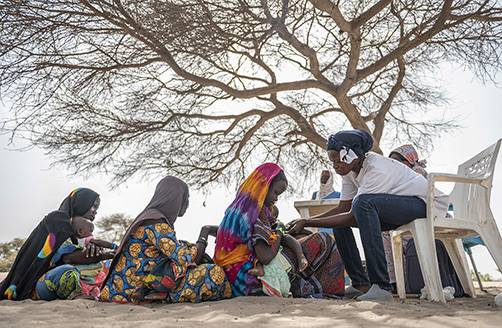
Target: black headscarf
<point>34,257</point>
<point>359,141</point>
<point>78,202</point>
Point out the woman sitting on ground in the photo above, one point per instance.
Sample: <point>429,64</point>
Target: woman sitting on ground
<point>152,264</point>
<point>245,237</point>
<point>378,194</point>
<point>42,267</point>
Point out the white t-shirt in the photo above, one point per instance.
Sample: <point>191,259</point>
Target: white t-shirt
<point>383,175</point>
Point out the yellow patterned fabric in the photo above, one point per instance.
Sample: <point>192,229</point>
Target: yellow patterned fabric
<point>149,245</point>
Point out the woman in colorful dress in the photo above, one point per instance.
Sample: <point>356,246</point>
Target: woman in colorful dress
<point>245,237</point>
<point>152,264</point>
<point>42,267</point>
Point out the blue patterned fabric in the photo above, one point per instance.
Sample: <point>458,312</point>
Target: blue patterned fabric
<point>149,246</point>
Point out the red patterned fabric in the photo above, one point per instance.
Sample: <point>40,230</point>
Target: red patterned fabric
<point>94,290</point>
<point>325,272</point>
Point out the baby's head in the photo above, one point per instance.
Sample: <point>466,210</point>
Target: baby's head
<point>275,213</point>
<point>82,227</point>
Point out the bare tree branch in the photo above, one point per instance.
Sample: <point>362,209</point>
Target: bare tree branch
<point>206,89</point>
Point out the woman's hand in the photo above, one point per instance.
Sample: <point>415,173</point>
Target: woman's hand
<point>295,227</point>
<point>211,230</point>
<point>201,244</point>
<point>279,224</point>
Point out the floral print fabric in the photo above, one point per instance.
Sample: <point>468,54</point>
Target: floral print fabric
<point>147,246</point>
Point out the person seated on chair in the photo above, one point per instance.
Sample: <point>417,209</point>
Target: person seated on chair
<point>326,190</point>
<point>378,194</point>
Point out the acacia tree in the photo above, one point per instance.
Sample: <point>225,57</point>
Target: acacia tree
<point>8,253</point>
<point>203,88</point>
<point>112,227</point>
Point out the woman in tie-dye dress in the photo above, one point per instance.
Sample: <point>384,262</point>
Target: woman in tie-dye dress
<point>246,237</point>
<point>152,264</point>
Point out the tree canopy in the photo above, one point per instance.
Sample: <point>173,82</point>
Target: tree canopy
<point>202,89</point>
<point>8,253</point>
<point>112,227</point>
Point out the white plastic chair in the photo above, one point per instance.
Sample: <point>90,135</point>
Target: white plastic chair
<point>472,216</point>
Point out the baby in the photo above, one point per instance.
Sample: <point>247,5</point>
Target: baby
<point>91,275</point>
<point>288,241</point>
<point>83,229</point>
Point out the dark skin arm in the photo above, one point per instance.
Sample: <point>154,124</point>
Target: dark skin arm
<point>92,254</point>
<point>205,232</point>
<point>101,243</point>
<point>338,217</point>
<point>266,253</point>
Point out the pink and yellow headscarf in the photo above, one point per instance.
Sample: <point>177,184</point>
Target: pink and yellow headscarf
<point>234,249</point>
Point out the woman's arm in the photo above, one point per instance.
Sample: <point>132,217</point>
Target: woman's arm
<point>343,207</point>
<point>88,256</point>
<point>266,253</point>
<point>338,217</point>
<point>201,244</point>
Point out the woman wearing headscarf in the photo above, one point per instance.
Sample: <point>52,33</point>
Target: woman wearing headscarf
<point>245,237</point>
<point>326,189</point>
<point>41,269</point>
<point>407,155</point>
<point>378,194</point>
<point>152,264</point>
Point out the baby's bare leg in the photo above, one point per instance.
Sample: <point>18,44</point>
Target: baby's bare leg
<point>291,242</point>
<point>257,270</point>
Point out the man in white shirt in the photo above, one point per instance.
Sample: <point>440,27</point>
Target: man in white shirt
<point>378,194</point>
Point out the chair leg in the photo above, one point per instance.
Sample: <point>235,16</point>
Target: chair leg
<point>457,255</point>
<point>491,238</point>
<point>423,234</point>
<point>476,271</point>
<point>397,254</point>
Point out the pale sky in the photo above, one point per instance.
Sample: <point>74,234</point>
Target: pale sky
<point>29,190</point>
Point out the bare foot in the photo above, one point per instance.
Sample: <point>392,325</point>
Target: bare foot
<point>155,297</point>
<point>303,263</point>
<point>136,295</point>
<point>364,289</point>
<point>257,271</point>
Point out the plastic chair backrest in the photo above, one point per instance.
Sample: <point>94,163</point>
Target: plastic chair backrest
<point>472,201</point>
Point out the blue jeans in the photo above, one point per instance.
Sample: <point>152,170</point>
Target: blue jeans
<point>375,213</point>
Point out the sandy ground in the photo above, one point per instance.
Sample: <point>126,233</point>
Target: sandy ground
<point>259,312</point>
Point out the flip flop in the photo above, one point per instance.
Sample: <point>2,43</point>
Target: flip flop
<point>376,294</point>
<point>352,292</point>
